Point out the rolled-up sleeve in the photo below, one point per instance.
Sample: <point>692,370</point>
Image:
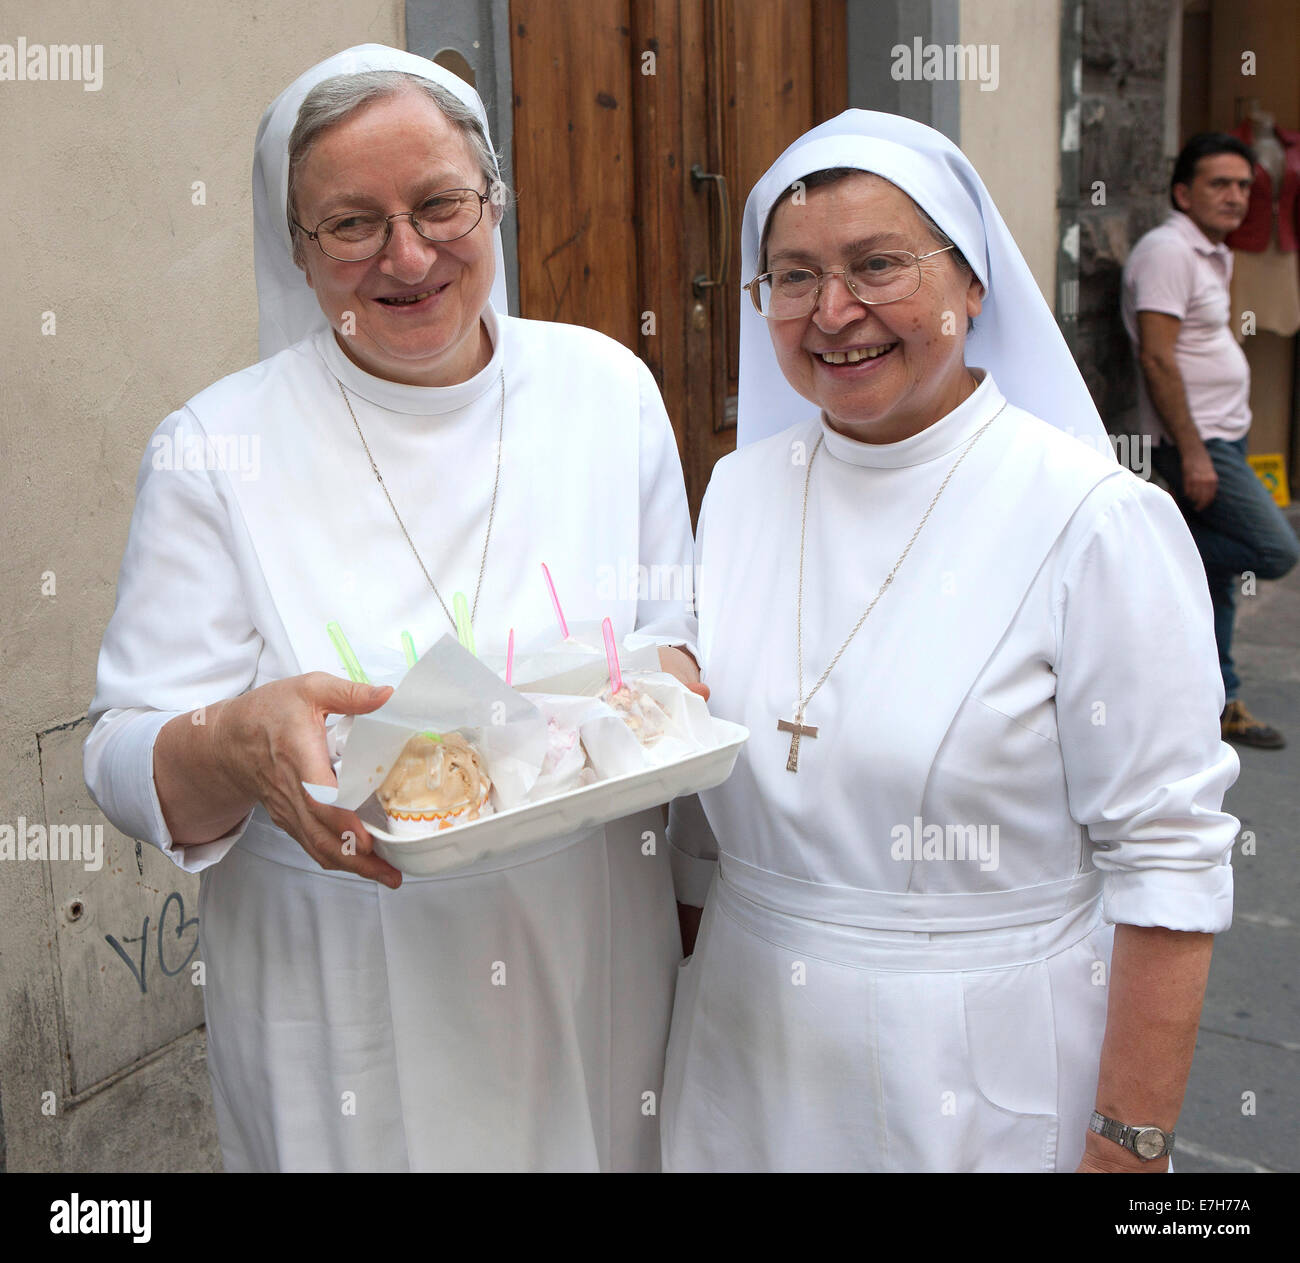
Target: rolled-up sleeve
<point>1139,695</point>
<point>693,848</point>
<point>180,639</point>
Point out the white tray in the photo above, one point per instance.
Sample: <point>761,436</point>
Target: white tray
<point>565,813</point>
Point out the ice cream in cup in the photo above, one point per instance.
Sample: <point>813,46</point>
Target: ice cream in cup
<point>435,783</point>
<point>638,710</point>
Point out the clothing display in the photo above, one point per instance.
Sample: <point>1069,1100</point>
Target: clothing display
<point>1274,209</point>
<point>1267,283</point>
<point>1265,276</point>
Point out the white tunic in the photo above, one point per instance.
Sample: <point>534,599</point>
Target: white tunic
<point>902,962</point>
<point>509,1016</point>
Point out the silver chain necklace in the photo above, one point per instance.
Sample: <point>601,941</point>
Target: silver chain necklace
<point>496,482</point>
<point>796,727</point>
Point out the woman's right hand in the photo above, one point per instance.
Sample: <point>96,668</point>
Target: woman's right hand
<point>267,741</point>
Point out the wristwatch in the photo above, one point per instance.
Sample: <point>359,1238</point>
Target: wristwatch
<point>1145,1140</point>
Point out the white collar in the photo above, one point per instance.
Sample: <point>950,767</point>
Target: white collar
<point>423,401</point>
<point>938,439</point>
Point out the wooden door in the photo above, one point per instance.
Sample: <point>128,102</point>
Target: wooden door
<point>616,104</point>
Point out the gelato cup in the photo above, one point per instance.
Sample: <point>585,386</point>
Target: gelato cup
<point>435,783</point>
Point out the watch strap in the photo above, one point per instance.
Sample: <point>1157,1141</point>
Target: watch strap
<point>1126,1134</point>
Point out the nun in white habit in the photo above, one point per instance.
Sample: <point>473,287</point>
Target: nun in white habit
<point>977,662</point>
<point>504,1017</point>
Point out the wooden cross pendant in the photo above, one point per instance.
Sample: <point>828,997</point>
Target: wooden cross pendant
<point>796,730</point>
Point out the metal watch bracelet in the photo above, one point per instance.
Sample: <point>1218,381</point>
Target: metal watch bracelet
<point>1146,1139</point>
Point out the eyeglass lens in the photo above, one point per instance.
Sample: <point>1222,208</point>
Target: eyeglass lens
<point>878,278</point>
<point>359,235</point>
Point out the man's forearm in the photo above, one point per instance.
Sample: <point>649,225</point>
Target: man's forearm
<point>1169,396</point>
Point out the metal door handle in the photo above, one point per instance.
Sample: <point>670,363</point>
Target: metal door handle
<point>703,281</point>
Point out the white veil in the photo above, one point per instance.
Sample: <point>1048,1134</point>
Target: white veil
<point>1015,336</point>
<point>287,308</point>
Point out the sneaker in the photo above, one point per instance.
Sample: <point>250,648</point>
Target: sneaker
<point>1237,724</point>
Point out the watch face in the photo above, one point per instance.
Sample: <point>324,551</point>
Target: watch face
<point>1149,1142</point>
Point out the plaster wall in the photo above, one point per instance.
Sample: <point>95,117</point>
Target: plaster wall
<point>129,287</point>
<point>1012,133</point>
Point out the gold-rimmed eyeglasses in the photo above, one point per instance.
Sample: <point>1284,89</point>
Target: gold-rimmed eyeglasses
<point>886,277</point>
<point>356,235</point>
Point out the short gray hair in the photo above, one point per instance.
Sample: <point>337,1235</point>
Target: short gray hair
<point>333,100</point>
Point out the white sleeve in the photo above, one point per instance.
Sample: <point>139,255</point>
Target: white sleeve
<point>665,613</point>
<point>180,638</point>
<point>693,849</point>
<point>1138,700</point>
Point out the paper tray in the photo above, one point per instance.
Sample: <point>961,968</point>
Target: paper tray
<point>570,812</point>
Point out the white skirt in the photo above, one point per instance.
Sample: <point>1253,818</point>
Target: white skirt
<point>505,1018</point>
<point>800,1045</point>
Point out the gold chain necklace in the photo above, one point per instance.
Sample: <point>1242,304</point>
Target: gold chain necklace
<point>796,727</point>
<point>496,482</point>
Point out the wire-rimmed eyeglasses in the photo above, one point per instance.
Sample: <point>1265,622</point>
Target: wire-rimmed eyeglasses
<point>886,277</point>
<point>356,235</point>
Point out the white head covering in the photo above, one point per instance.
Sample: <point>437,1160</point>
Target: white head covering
<point>1015,337</point>
<point>287,307</point>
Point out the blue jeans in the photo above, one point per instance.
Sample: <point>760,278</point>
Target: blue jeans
<point>1240,530</point>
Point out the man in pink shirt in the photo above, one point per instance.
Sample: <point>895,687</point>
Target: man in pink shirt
<point>1194,392</point>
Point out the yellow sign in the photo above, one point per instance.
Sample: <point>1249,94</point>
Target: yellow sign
<point>1271,469</point>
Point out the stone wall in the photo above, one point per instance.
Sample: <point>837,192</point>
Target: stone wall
<point>1122,161</point>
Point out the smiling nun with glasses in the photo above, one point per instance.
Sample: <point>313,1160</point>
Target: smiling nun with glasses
<point>414,441</point>
<point>959,911</point>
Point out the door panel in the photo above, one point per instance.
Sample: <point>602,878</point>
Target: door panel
<point>615,102</point>
<point>573,163</point>
<point>784,70</point>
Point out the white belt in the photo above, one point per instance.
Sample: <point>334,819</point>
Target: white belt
<point>900,910</point>
<point>897,931</point>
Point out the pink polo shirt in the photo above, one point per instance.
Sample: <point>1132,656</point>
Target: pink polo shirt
<point>1176,269</point>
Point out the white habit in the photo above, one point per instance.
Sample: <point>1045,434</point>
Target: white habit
<point>904,951</point>
<point>511,1016</point>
